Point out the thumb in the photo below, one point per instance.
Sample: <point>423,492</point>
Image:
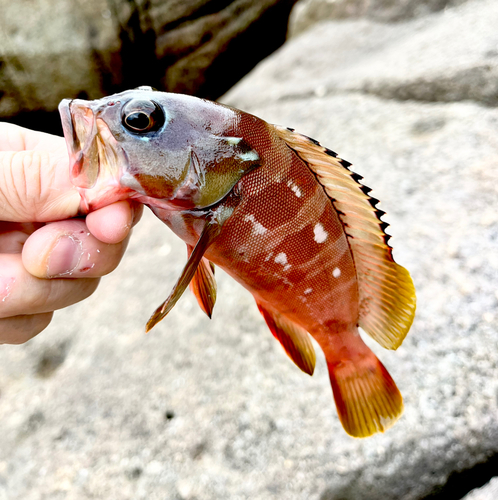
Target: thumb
<point>35,185</point>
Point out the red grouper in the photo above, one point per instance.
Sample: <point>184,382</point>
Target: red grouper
<point>284,216</point>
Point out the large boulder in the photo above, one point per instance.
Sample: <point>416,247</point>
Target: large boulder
<point>199,409</point>
<point>487,492</point>
<point>437,58</point>
<point>54,49</point>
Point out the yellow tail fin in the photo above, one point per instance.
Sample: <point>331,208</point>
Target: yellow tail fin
<point>366,396</point>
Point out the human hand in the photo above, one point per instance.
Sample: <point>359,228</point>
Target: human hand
<point>73,254</point>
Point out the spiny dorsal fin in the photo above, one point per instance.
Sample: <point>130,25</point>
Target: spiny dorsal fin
<point>203,284</point>
<point>387,294</point>
<point>295,340</point>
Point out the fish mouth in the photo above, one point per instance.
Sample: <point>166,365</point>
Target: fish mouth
<point>96,159</point>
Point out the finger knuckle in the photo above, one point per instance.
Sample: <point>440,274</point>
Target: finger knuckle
<point>19,329</point>
<point>21,180</point>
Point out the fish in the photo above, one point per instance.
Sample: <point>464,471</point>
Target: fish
<point>284,216</point>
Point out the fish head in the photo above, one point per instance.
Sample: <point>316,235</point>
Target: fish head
<point>167,150</point>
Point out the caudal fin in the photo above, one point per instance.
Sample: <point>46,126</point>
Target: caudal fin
<point>366,396</point>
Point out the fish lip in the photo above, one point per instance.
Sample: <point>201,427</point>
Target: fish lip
<point>78,123</point>
<point>73,143</point>
<point>96,159</point>
<point>68,126</point>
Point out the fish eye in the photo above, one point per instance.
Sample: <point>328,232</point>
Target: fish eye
<point>140,116</point>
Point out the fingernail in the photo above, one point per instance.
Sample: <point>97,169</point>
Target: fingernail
<point>65,257</point>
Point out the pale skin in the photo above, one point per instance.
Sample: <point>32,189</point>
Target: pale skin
<point>47,265</point>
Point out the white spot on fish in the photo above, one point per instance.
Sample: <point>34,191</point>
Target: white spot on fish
<point>249,156</point>
<point>268,257</point>
<point>320,233</point>
<point>295,189</point>
<point>281,258</point>
<point>233,141</point>
<point>336,272</point>
<point>221,214</point>
<point>308,291</point>
<point>257,227</point>
<point>164,250</point>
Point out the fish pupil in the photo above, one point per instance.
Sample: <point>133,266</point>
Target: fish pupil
<point>138,120</point>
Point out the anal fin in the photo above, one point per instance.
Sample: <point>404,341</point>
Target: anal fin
<point>203,284</point>
<point>366,396</point>
<point>295,340</point>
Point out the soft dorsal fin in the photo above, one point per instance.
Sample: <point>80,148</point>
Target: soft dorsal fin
<point>295,340</point>
<point>387,294</point>
<point>203,284</point>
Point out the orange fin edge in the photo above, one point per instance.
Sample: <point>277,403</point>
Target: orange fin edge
<point>295,340</point>
<point>366,396</point>
<point>203,284</point>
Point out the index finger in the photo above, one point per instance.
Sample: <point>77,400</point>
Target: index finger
<point>36,187</point>
<point>15,138</point>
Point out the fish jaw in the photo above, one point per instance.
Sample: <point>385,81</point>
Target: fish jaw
<point>97,161</point>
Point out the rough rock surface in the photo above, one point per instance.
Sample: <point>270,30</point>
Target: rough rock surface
<point>433,59</point>
<point>52,49</point>
<point>308,12</point>
<point>488,492</point>
<point>204,410</point>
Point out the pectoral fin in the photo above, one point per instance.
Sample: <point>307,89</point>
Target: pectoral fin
<point>209,233</point>
<point>203,284</point>
<point>295,340</point>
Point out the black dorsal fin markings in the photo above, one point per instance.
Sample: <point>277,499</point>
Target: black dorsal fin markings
<point>203,284</point>
<point>384,315</point>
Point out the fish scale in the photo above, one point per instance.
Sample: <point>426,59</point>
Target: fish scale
<point>282,215</point>
<point>290,216</point>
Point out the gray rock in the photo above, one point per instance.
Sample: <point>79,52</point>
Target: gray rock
<point>39,65</point>
<point>436,59</point>
<point>309,12</point>
<point>55,49</point>
<point>488,492</point>
<point>93,408</point>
